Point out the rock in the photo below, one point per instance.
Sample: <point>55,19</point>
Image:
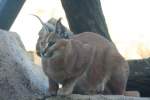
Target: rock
<point>132,93</point>
<point>20,78</point>
<point>95,97</point>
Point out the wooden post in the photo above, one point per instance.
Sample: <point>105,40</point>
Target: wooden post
<point>9,9</point>
<point>85,15</point>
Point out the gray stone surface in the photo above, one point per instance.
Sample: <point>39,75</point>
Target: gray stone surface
<point>20,78</point>
<point>96,97</point>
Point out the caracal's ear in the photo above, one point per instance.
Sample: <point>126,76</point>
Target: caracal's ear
<point>59,27</point>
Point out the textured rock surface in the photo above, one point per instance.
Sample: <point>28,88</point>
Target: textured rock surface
<point>96,97</point>
<point>20,79</point>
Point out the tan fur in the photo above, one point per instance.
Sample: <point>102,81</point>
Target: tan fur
<point>86,63</point>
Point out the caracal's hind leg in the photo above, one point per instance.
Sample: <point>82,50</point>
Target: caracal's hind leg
<point>118,82</point>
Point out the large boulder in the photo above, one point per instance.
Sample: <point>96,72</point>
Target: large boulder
<point>20,78</point>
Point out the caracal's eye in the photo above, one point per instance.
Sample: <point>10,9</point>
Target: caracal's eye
<point>51,43</point>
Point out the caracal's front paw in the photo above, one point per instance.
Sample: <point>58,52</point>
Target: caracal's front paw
<point>63,92</point>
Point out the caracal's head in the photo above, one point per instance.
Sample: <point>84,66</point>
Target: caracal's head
<point>51,42</point>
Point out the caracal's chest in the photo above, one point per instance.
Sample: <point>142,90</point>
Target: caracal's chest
<point>55,70</point>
